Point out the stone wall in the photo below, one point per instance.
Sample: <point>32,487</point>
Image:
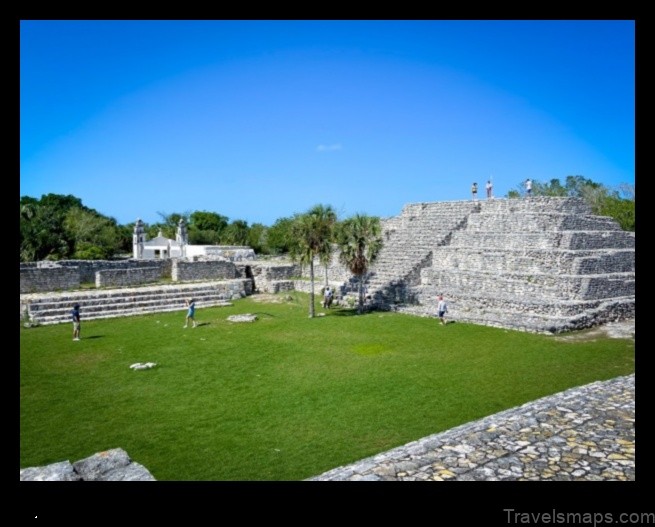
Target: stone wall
<point>66,275</point>
<point>273,277</point>
<point>127,277</point>
<point>35,279</point>
<point>233,253</point>
<point>89,268</point>
<point>210,269</point>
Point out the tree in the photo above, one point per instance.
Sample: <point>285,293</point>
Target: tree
<point>96,237</point>
<point>257,237</point>
<point>42,227</point>
<point>236,233</point>
<point>310,237</point>
<point>278,236</point>
<point>206,228</point>
<point>57,226</point>
<point>328,218</point>
<point>168,226</point>
<point>359,240</point>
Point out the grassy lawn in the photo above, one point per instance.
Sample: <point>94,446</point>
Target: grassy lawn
<point>285,397</point>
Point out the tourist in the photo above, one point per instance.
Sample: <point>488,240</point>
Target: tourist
<point>191,312</point>
<point>442,309</point>
<point>327,297</point>
<point>489,188</point>
<point>528,186</point>
<point>474,191</point>
<point>75,314</point>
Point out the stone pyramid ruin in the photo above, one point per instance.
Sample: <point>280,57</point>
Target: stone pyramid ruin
<point>537,264</point>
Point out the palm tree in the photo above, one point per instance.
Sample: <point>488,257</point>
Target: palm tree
<point>327,218</point>
<point>311,233</point>
<point>359,239</point>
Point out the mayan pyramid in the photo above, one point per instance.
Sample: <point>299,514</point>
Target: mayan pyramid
<point>538,264</point>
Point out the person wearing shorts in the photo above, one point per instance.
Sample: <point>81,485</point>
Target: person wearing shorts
<point>191,312</point>
<point>75,315</point>
<point>442,309</point>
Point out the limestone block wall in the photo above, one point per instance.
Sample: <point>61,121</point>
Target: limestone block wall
<point>127,277</point>
<point>234,253</point>
<point>89,268</point>
<point>336,272</point>
<point>273,277</point>
<point>212,269</point>
<point>52,278</point>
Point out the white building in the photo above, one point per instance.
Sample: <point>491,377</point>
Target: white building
<point>161,247</point>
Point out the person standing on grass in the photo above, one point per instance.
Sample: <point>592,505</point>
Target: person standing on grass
<point>75,314</point>
<point>442,309</point>
<point>191,312</point>
<point>327,298</point>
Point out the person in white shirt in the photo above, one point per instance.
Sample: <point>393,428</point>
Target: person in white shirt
<point>442,309</point>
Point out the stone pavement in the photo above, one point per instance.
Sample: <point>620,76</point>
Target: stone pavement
<point>584,433</point>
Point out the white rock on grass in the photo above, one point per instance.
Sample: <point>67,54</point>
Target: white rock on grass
<point>143,365</point>
<point>246,317</point>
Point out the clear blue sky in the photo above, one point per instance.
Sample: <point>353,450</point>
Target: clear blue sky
<point>257,120</point>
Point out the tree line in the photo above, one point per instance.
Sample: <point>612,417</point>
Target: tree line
<point>59,227</point>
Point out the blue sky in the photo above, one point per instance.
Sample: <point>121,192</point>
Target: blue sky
<point>257,120</point>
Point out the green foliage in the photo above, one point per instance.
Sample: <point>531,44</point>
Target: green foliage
<point>360,241</point>
<point>168,225</point>
<point>208,221</point>
<point>206,228</point>
<point>278,236</point>
<point>283,398</point>
<point>96,237</point>
<point>236,233</point>
<point>311,236</point>
<point>257,238</point>
<point>52,227</point>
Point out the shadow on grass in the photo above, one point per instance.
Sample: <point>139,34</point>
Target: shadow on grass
<point>345,312</point>
<point>263,314</point>
<point>92,337</point>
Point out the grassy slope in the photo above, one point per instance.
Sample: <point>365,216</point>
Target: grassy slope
<point>284,398</point>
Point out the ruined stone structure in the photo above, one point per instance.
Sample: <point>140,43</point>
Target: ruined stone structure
<point>161,247</point>
<point>537,264</point>
<point>110,465</point>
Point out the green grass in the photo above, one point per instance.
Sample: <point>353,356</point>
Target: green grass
<point>285,397</point>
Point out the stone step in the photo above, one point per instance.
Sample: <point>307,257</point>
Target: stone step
<point>604,312</point>
<point>50,308</point>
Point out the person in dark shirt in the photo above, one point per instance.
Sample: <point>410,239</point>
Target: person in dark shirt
<point>75,314</point>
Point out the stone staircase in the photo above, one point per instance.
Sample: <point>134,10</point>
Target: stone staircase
<point>409,244</point>
<point>538,264</point>
<point>54,308</point>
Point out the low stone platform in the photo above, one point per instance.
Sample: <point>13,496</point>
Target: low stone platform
<point>585,433</point>
<point>110,465</point>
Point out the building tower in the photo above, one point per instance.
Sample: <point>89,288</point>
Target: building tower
<point>138,238</point>
<point>182,237</point>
